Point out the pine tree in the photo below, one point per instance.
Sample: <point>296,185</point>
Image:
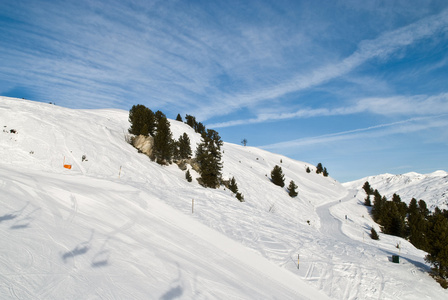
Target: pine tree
<point>308,170</point>
<point>179,118</point>
<point>188,176</point>
<point>319,168</point>
<point>277,176</point>
<point>158,116</point>
<point>367,201</point>
<point>325,172</point>
<point>184,146</point>
<point>417,226</point>
<point>190,121</point>
<point>163,142</point>
<point>139,116</point>
<point>208,155</point>
<point>292,189</point>
<point>233,186</point>
<point>240,197</point>
<point>367,188</point>
<point>438,244</point>
<point>374,234</point>
<point>377,206</point>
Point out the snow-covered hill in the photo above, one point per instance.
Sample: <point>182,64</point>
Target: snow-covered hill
<point>118,226</point>
<point>433,187</point>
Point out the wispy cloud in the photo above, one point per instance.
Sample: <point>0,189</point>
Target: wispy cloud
<point>400,127</point>
<point>398,105</point>
<point>381,47</point>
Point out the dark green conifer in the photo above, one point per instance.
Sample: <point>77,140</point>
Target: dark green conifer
<point>374,234</point>
<point>163,142</point>
<point>233,186</point>
<point>438,243</point>
<point>139,116</point>
<point>277,176</point>
<point>367,188</point>
<point>292,189</point>
<point>240,197</point>
<point>319,168</point>
<point>208,155</point>
<point>188,176</point>
<point>184,146</point>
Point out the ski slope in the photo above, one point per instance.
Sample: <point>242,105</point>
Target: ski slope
<point>118,226</point>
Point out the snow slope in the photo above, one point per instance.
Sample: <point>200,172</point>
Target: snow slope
<point>119,226</point>
<point>433,187</point>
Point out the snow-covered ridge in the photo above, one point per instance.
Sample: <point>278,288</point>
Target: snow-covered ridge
<point>432,187</point>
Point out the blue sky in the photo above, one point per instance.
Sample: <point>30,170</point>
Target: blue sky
<point>360,86</point>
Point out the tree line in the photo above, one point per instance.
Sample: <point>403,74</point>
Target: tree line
<point>425,230</point>
<point>143,121</point>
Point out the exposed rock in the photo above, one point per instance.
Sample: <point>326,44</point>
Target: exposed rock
<point>144,143</point>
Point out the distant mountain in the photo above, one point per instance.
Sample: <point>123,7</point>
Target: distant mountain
<point>432,188</point>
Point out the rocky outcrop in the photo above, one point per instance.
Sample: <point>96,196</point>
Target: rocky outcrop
<point>144,143</point>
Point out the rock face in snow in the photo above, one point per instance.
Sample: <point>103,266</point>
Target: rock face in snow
<point>144,143</point>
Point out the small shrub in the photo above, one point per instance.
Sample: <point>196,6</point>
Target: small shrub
<point>374,234</point>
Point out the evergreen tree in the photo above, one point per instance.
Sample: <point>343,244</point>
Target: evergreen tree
<point>184,146</point>
<point>308,170</point>
<point>438,244</point>
<point>423,208</point>
<point>319,168</point>
<point>240,197</point>
<point>179,118</point>
<point>159,115</point>
<point>139,116</point>
<point>188,176</point>
<point>190,121</point>
<point>208,155</point>
<point>392,221</point>
<point>417,226</point>
<point>277,176</point>
<point>367,188</point>
<point>374,234</point>
<point>163,142</point>
<point>292,189</point>
<point>377,206</point>
<point>325,172</point>
<point>200,128</point>
<point>233,186</point>
<point>367,201</point>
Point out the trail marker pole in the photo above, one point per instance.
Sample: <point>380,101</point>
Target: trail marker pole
<point>119,173</point>
<point>192,205</point>
<point>298,261</point>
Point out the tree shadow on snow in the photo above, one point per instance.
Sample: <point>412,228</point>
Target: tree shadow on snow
<point>25,221</point>
<point>419,265</point>
<point>7,217</point>
<point>80,249</point>
<point>174,292</point>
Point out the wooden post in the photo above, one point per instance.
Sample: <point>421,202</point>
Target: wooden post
<point>298,261</point>
<point>119,173</point>
<point>192,205</point>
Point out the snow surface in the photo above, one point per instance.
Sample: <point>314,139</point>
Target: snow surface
<point>118,226</point>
